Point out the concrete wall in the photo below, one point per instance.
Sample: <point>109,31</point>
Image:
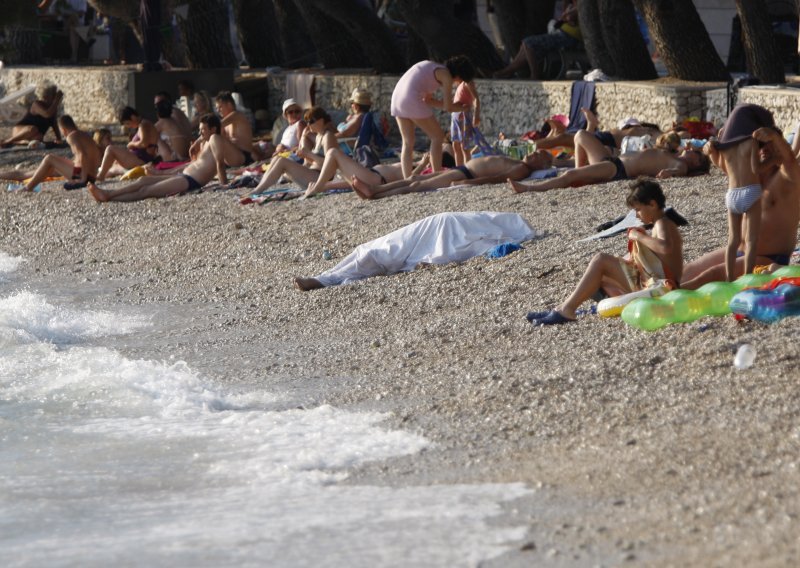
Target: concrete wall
<point>784,104</point>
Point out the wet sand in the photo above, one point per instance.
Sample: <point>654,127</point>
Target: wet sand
<point>643,448</point>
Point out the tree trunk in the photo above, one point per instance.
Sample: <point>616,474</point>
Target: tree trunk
<point>682,40</point>
<point>22,32</point>
<point>361,24</point>
<point>763,59</point>
<point>445,36</point>
<point>593,39</point>
<point>205,33</point>
<point>298,51</point>
<point>258,32</point>
<point>334,45</point>
<point>624,41</point>
<point>518,19</point>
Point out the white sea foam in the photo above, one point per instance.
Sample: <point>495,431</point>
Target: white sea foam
<point>9,264</point>
<point>105,458</point>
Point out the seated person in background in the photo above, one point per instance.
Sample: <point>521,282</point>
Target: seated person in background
<point>102,137</point>
<point>173,143</point>
<point>175,113</point>
<point>319,124</point>
<point>41,116</point>
<point>290,138</point>
<point>202,107</point>
<point>565,35</point>
<point>594,163</point>
<point>617,276</point>
<point>142,149</point>
<point>360,103</point>
<point>236,131</point>
<point>477,171</point>
<point>194,176</point>
<point>77,172</point>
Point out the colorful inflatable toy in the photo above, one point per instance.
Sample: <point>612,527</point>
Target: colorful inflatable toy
<point>612,307</point>
<point>684,306</point>
<point>770,303</point>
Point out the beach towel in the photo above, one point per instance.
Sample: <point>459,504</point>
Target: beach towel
<point>438,239</point>
<point>582,96</point>
<point>643,267</point>
<point>298,87</point>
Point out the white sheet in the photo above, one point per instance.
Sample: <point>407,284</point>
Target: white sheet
<point>438,239</point>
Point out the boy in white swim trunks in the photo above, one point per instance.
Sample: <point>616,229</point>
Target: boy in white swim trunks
<point>736,154</point>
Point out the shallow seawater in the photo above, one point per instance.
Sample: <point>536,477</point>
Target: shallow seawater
<point>107,459</point>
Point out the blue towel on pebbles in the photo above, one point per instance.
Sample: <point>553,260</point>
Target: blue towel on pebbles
<point>500,251</point>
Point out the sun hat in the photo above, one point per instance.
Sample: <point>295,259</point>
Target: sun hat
<point>630,121</point>
<point>288,103</point>
<point>361,97</point>
<point>742,122</point>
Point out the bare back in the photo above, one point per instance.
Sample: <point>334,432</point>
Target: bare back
<point>737,163</point>
<point>87,153</point>
<point>237,129</point>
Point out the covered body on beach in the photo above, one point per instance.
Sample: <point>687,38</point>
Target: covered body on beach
<point>438,239</point>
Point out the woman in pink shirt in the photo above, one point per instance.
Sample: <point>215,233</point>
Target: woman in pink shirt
<point>412,102</point>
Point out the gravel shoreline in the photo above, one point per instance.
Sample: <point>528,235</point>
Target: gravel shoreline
<point>643,448</point>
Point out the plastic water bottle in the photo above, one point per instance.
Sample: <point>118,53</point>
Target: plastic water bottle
<point>745,357</point>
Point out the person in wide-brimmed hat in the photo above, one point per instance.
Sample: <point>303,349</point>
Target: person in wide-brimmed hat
<point>360,103</point>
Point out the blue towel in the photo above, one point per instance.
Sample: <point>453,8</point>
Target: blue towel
<point>582,97</point>
<point>500,251</point>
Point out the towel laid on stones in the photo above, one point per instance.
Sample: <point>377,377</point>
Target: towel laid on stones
<point>438,239</point>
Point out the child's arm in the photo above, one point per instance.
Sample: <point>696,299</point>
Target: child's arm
<point>664,243</point>
<point>710,150</point>
<point>782,152</point>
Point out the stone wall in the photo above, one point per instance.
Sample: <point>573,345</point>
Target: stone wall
<point>515,107</point>
<point>92,95</point>
<point>783,102</point>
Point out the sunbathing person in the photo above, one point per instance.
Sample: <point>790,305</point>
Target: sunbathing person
<point>77,172</point>
<point>477,171</point>
<point>320,125</point>
<point>612,138</point>
<point>38,120</point>
<point>360,103</point>
<point>194,176</point>
<point>617,276</point>
<point>173,141</point>
<point>780,215</point>
<point>176,114</point>
<point>595,164</point>
<point>202,107</point>
<point>142,149</point>
<point>236,131</point>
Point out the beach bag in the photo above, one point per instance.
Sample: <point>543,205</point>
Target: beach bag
<point>367,157</point>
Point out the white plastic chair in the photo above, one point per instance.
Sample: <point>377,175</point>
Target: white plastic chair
<point>9,110</point>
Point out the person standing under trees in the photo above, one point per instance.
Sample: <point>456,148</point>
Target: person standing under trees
<point>412,102</point>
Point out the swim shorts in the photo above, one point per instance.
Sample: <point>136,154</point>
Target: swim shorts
<point>739,200</point>
<point>193,183</point>
<point>465,170</point>
<point>620,173</point>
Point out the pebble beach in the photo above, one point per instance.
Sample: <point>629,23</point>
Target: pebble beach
<point>638,448</point>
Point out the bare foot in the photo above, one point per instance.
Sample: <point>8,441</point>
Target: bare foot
<point>591,119</point>
<point>311,189</point>
<point>363,190</point>
<point>98,194</point>
<point>306,284</point>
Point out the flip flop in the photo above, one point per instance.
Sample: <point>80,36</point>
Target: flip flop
<point>552,318</point>
<point>536,315</point>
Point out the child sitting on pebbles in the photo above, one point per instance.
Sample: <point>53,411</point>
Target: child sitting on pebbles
<point>617,276</point>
